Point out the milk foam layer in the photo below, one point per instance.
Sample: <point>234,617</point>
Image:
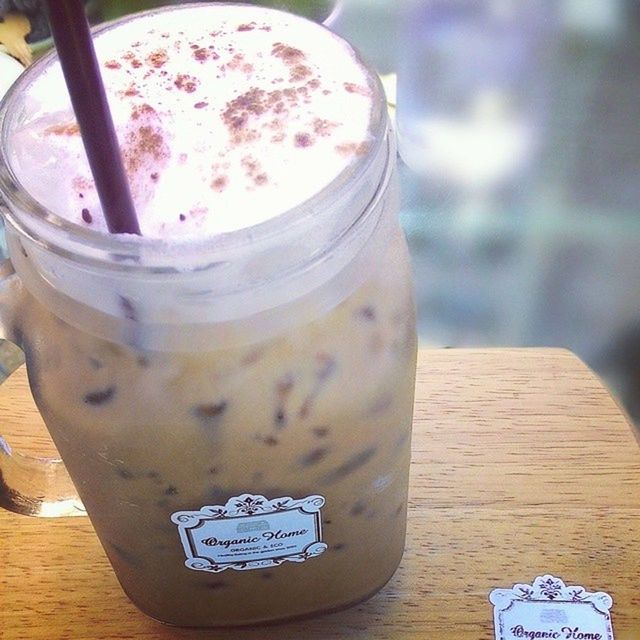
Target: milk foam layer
<point>227,116</point>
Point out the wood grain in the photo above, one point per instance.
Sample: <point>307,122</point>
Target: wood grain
<point>523,464</point>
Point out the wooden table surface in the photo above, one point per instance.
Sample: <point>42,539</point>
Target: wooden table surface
<point>522,465</point>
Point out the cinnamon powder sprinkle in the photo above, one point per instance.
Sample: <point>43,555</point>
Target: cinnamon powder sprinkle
<point>81,183</point>
<point>185,82</point>
<point>200,105</point>
<point>238,63</point>
<point>142,110</point>
<point>276,124</point>
<point>250,164</point>
<point>254,170</point>
<point>219,183</point>
<point>158,58</point>
<point>131,91</point>
<point>146,141</point>
<point>257,102</point>
<point>299,72</point>
<point>151,142</point>
<point>202,55</point>
<point>350,87</point>
<point>112,64</point>
<point>235,116</point>
<point>68,129</point>
<point>247,27</point>
<point>323,127</point>
<point>289,55</point>
<point>352,148</point>
<point>303,140</point>
<point>290,93</point>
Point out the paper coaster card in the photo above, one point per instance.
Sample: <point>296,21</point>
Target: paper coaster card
<point>550,610</point>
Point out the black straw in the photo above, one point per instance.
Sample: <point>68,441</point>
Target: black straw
<point>73,41</point>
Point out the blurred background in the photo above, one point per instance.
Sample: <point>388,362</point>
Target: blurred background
<point>520,145</point>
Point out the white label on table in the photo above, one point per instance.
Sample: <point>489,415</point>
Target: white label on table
<point>550,610</point>
<point>251,532</point>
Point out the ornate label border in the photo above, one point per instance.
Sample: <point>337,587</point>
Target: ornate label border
<point>243,506</point>
<point>545,590</point>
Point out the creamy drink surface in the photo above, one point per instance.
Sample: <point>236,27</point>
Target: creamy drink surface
<point>234,407</point>
<point>227,116</point>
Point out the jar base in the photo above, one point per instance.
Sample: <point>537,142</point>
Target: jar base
<point>273,622</point>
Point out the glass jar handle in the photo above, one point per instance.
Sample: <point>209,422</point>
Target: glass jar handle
<point>30,485</point>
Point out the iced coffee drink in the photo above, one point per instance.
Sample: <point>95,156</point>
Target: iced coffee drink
<point>232,392</point>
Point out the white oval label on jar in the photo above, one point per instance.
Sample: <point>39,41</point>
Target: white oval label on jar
<point>251,532</point>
